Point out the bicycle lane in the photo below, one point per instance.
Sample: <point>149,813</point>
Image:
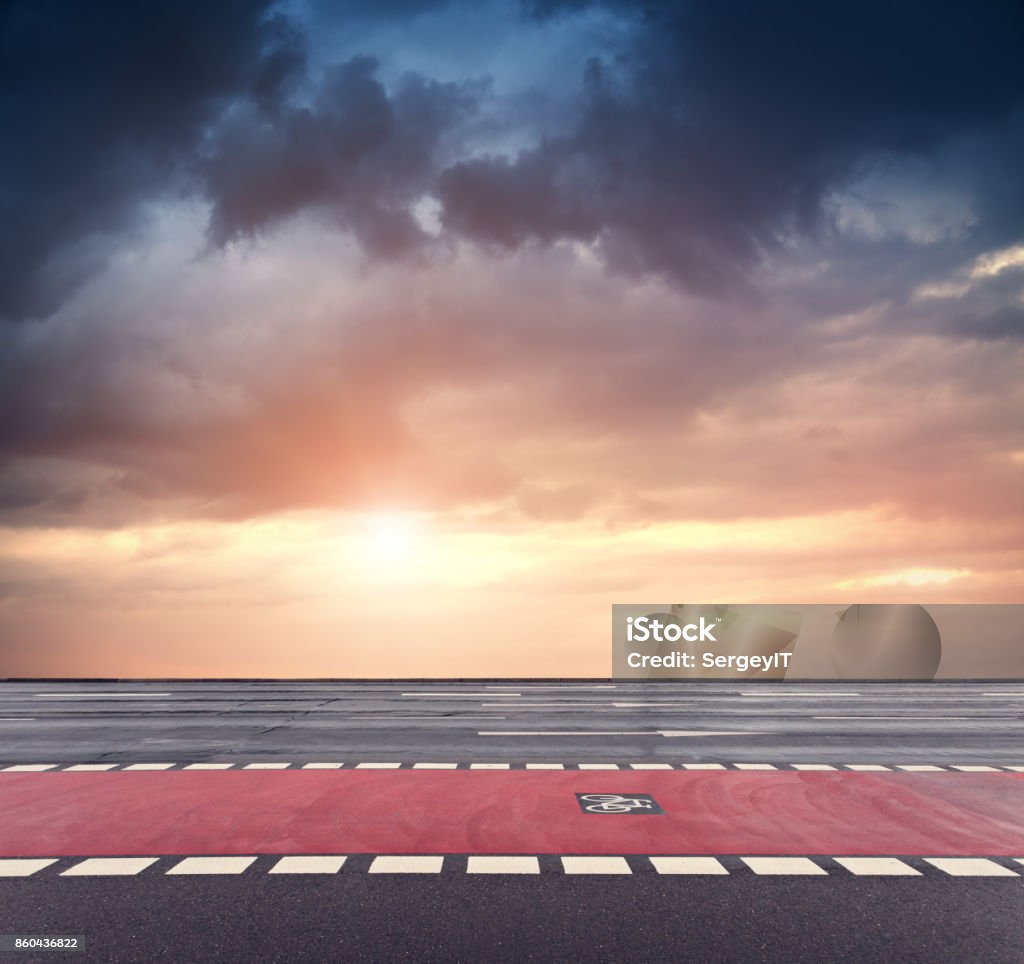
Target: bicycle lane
<point>508,812</point>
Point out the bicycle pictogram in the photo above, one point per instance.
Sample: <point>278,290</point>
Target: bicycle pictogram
<point>617,803</point>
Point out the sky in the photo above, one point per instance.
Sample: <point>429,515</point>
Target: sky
<point>405,338</point>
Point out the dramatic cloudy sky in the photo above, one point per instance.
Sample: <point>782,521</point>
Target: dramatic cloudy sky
<point>403,338</point>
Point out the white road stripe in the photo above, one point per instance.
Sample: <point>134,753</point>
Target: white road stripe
<point>322,766</point>
<point>106,696</point>
<point>110,867</point>
<point>21,867</point>
<point>976,769</point>
<point>307,865</point>
<point>435,766</point>
<point>668,733</point>
<point>211,865</point>
<point>919,768</point>
<point>545,766</point>
<point>865,766</point>
<point>703,766</point>
<point>503,865</point>
<point>787,866</point>
<point>688,865</point>
<point>406,865</point>
<point>463,693</point>
<point>91,766</point>
<point>150,766</point>
<point>209,766</point>
<point>378,766</point>
<point>970,867</point>
<point>877,867</point>
<point>489,766</point>
<point>806,694</point>
<point>755,766</point>
<point>266,766</point>
<point>911,719</point>
<point>650,766</point>
<point>17,719</point>
<point>595,865</point>
<point>812,766</point>
<point>29,767</point>
<point>598,766</point>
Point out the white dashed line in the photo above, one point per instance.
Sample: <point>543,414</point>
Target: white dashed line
<point>688,865</point>
<point>378,766</point>
<point>598,766</point>
<point>970,867</point>
<point>865,767</point>
<point>406,865</point>
<point>20,867</point>
<point>91,766</point>
<point>595,865</point>
<point>703,766</point>
<point>266,766</point>
<point>650,766</point>
<point>877,867</point>
<point>209,766</point>
<point>110,867</point>
<point>30,767</point>
<point>322,766</point>
<point>918,768</point>
<point>435,766</point>
<point>489,766</point>
<point>754,766</point>
<point>812,766</point>
<point>545,766</point>
<point>150,766</point>
<point>976,769</point>
<point>307,865</point>
<point>503,865</point>
<point>211,865</point>
<point>784,866</point>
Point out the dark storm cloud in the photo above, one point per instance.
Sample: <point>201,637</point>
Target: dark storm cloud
<point>100,104</point>
<point>726,125</point>
<point>359,152</point>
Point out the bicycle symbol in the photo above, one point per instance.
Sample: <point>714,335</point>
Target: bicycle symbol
<point>616,803</point>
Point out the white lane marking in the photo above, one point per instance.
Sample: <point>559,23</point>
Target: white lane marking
<point>307,865</point>
<point>788,866</point>
<point>919,768</point>
<point>435,766</point>
<point>909,718</point>
<point>650,766</point>
<point>558,686</point>
<point>970,867</point>
<point>688,865</point>
<point>595,865</point>
<point>91,766</point>
<point>1015,696</point>
<point>441,719</point>
<point>666,706</point>
<point>503,865</point>
<point>976,769</point>
<point>209,766</point>
<point>1015,769</point>
<point>545,766</point>
<point>463,693</point>
<point>266,766</point>
<point>668,733</point>
<point>150,766</point>
<point>406,865</point>
<point>110,867</point>
<point>17,719</point>
<point>211,865</point>
<point>20,867</point>
<point>378,766</point>
<point>579,704</point>
<point>812,766</point>
<point>702,766</point>
<point>755,766</point>
<point>322,766</point>
<point>806,694</point>
<point>489,766</point>
<point>714,732</point>
<point>598,766</point>
<point>29,767</point>
<point>877,867</point>
<point>865,766</point>
<point>78,696</point>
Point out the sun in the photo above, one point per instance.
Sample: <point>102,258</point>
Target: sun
<point>391,537</point>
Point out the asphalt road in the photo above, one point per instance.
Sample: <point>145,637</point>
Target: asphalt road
<point>641,918</point>
<point>931,723</point>
<point>454,916</point>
